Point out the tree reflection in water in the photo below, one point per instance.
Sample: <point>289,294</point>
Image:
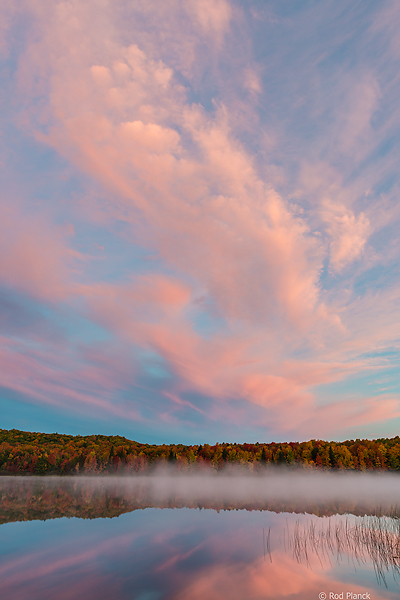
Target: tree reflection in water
<point>314,529</point>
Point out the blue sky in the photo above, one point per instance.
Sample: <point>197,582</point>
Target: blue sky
<point>199,219</point>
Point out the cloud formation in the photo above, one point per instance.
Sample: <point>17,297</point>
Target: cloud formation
<point>219,222</point>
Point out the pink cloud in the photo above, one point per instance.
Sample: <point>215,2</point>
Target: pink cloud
<point>35,257</point>
<point>233,366</point>
<point>213,17</point>
<point>352,412</point>
<point>144,162</point>
<point>179,178</point>
<point>52,377</point>
<point>348,234</point>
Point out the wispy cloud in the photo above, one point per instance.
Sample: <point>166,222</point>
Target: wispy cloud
<point>251,168</point>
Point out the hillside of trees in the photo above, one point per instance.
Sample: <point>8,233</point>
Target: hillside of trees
<point>34,453</point>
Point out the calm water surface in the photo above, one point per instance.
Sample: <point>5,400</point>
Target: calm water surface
<point>117,548</point>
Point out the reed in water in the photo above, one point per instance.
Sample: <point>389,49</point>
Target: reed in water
<point>370,539</point>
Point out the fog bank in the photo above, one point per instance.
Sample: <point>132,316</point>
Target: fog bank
<point>279,490</point>
<point>279,485</point>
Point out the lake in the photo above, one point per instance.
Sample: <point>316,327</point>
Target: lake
<point>293,535</point>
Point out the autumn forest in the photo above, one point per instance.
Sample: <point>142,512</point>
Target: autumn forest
<point>34,453</point>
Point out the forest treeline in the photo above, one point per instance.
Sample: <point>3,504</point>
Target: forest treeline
<point>34,453</point>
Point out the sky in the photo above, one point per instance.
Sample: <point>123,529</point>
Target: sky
<point>199,216</point>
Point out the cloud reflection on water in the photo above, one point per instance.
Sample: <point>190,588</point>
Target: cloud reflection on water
<point>172,554</point>
<point>183,554</point>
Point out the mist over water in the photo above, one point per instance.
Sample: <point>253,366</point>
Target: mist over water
<point>279,490</point>
<point>237,486</point>
<point>254,543</point>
